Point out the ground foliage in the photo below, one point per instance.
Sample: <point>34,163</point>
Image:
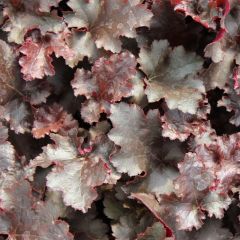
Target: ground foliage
<point>120,119</point>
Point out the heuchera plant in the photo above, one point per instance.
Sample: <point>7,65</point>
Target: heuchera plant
<point>120,119</point>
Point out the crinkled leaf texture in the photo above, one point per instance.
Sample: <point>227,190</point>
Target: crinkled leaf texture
<point>202,11</point>
<point>119,119</point>
<point>72,173</point>
<point>37,60</point>
<point>52,119</point>
<point>179,125</point>
<point>232,102</point>
<point>109,81</point>
<point>202,186</point>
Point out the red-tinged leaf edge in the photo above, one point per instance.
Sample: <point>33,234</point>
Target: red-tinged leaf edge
<point>154,210</point>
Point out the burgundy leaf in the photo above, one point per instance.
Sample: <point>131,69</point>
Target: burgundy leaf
<point>110,79</point>
<point>37,60</point>
<point>52,119</point>
<point>204,12</point>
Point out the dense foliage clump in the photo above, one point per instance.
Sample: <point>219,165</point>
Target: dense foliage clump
<point>120,119</point>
